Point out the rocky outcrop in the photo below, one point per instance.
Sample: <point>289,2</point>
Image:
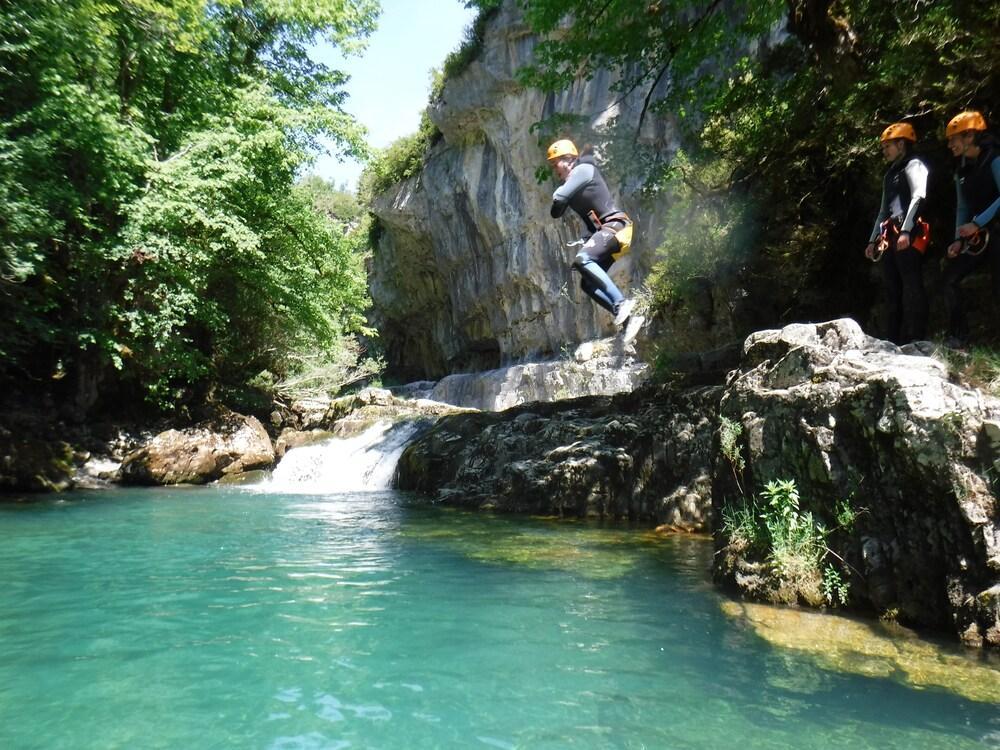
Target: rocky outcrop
<point>470,272</point>
<point>851,418</point>
<point>854,421</point>
<point>600,368</point>
<point>224,446</point>
<point>351,414</point>
<point>645,456</point>
<point>31,464</point>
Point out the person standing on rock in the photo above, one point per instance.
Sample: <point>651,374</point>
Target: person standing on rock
<point>977,188</point>
<point>609,229</point>
<point>900,237</point>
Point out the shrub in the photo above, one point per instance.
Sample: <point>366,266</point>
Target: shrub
<point>773,528</point>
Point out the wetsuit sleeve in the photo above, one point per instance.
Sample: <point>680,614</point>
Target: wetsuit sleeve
<point>883,213</point>
<point>916,175</point>
<point>577,180</point>
<point>990,213</point>
<point>961,207</point>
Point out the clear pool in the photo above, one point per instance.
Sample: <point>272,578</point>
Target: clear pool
<point>225,618</point>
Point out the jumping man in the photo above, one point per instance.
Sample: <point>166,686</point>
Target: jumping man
<point>609,229</point>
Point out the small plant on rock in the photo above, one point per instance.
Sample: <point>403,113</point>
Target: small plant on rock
<point>729,443</point>
<point>835,587</point>
<point>791,541</point>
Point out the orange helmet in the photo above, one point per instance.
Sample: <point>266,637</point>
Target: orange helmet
<point>963,121</point>
<point>899,130</point>
<point>561,148</point>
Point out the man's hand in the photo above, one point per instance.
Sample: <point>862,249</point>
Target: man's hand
<point>967,230</point>
<point>903,241</point>
<point>870,251</point>
<point>954,249</point>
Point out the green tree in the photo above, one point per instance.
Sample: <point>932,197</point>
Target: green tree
<point>336,203</point>
<point>233,270</point>
<point>147,158</point>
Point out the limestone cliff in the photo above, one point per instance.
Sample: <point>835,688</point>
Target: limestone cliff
<point>470,272</point>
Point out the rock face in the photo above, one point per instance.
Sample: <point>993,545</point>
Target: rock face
<point>853,418</point>
<point>470,272</point>
<point>644,456</point>
<point>228,445</point>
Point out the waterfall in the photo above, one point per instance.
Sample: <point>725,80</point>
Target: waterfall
<point>363,462</point>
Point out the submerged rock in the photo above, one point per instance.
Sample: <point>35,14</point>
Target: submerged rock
<point>871,648</point>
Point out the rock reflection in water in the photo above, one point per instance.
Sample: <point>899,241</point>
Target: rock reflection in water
<point>873,649</point>
<point>584,548</point>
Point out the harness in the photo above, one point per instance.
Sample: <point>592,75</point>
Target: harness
<point>974,244</point>
<point>623,235</point>
<point>920,236</point>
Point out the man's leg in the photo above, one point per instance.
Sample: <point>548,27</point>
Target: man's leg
<point>592,262</point>
<point>893,284</point>
<point>909,262</point>
<point>596,294</point>
<point>956,270</point>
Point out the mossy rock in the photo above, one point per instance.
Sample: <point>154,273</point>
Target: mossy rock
<point>32,465</point>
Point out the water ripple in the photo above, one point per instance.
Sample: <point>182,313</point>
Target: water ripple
<point>227,618</point>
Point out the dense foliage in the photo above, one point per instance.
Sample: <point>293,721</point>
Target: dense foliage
<point>401,159</point>
<point>779,104</point>
<point>153,241</point>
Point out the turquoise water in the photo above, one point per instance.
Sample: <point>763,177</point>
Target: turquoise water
<point>221,618</point>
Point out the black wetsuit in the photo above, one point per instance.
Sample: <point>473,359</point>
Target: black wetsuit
<point>977,185</point>
<point>586,192</point>
<point>904,189</point>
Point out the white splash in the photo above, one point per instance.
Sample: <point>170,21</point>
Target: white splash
<point>363,462</point>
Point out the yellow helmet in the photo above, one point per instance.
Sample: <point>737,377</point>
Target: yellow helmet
<point>899,130</point>
<point>963,121</point>
<point>561,148</point>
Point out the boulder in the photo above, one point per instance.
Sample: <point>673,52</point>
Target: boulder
<point>226,445</point>
<point>597,368</point>
<point>291,438</point>
<point>645,456</point>
<point>854,419</point>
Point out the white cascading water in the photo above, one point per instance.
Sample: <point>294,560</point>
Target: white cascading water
<point>363,462</point>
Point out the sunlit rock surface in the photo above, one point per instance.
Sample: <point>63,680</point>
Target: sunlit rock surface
<point>872,648</point>
<point>849,417</point>
<point>601,368</point>
<point>229,444</point>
